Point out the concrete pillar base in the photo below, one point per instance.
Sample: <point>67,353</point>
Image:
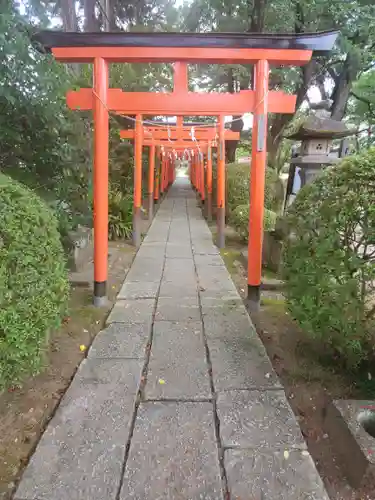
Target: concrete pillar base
<point>253,298</point>
<point>100,297</point>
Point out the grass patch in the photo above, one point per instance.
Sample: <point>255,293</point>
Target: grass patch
<point>273,303</point>
<point>230,256</point>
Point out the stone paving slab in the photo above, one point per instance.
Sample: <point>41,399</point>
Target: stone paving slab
<point>146,270</point>
<point>223,283</point>
<point>178,250</point>
<point>173,454</point>
<point>227,322</point>
<point>177,265</point>
<point>241,363</point>
<point>80,455</point>
<point>172,289</point>
<point>178,360</point>
<point>139,290</point>
<point>175,309</point>
<point>258,419</point>
<point>121,340</point>
<point>132,311</point>
<point>202,261</point>
<point>181,276</point>
<point>257,475</point>
<point>208,294</point>
<point>205,249</point>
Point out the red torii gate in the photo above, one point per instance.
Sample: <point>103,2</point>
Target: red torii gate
<point>211,48</point>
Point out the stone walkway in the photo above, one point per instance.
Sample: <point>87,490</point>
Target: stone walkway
<point>177,398</point>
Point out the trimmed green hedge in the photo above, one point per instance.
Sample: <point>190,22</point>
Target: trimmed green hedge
<point>238,182</point>
<point>239,218</point>
<point>330,259</point>
<point>238,186</point>
<point>33,280</point>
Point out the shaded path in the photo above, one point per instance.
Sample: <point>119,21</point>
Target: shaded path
<point>177,398</point>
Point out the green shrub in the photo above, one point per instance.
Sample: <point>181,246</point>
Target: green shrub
<point>330,259</point>
<point>33,280</point>
<point>239,218</point>
<point>120,208</point>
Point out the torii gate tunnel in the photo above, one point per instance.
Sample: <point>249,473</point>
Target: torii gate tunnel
<point>171,138</point>
<point>261,50</point>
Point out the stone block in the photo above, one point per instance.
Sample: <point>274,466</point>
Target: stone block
<point>178,360</point>
<point>80,243</point>
<point>175,309</point>
<point>132,311</point>
<point>230,320</point>
<point>139,290</point>
<point>145,270</point>
<point>205,249</point>
<point>258,475</point>
<point>121,340</point>
<point>351,428</point>
<point>241,363</point>
<point>81,453</point>
<point>173,454</point>
<point>208,260</point>
<point>258,419</point>
<point>176,266</point>
<point>178,250</point>
<point>171,289</point>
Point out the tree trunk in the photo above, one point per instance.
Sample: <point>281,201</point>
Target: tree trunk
<point>343,84</point>
<point>257,15</point>
<point>68,14</point>
<point>91,22</point>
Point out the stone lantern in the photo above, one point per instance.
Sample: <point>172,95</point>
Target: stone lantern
<point>316,133</point>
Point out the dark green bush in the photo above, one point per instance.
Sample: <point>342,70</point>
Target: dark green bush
<point>33,280</point>
<point>330,259</point>
<point>240,220</point>
<point>120,208</point>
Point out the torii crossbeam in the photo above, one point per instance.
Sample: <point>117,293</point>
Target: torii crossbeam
<point>262,50</point>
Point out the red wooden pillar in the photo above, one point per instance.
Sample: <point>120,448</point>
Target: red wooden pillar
<point>197,164</point>
<point>257,183</point>
<point>170,172</point>
<point>101,137</point>
<point>201,161</point>
<point>221,186</point>
<point>137,181</point>
<point>209,182</point>
<point>193,171</point>
<point>157,177</point>
<point>162,173</point>
<point>151,175</point>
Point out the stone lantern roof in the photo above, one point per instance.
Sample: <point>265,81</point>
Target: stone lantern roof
<point>321,127</point>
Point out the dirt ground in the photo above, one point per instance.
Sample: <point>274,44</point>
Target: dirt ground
<point>309,383</point>
<point>25,411</point>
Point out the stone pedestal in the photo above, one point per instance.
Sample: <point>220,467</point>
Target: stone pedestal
<point>82,248</point>
<point>351,427</point>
